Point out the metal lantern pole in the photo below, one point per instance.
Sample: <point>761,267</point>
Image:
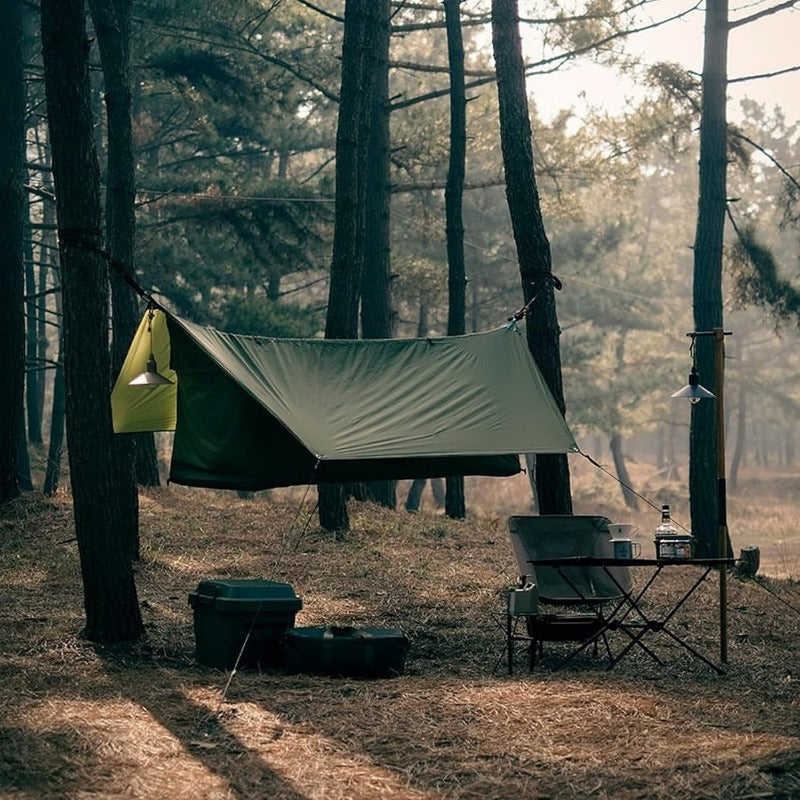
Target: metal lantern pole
<point>695,392</point>
<point>722,512</point>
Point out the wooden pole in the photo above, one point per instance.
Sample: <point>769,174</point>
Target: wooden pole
<point>722,513</point>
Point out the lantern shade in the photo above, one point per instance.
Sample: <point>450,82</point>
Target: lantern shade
<point>151,377</point>
<point>693,390</point>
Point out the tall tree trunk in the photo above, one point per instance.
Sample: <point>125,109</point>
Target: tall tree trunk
<point>112,608</point>
<point>376,312</point>
<point>530,465</point>
<point>23,459</point>
<point>475,323</point>
<point>533,247</point>
<point>52,473</point>
<point>351,143</point>
<point>352,140</point>
<point>376,308</point>
<point>615,444</point>
<point>660,451</point>
<point>147,460</point>
<point>741,420</point>
<point>48,239</point>
<point>415,491</point>
<point>455,506</point>
<point>707,294</point>
<point>112,25</point>
<point>35,369</point>
<point>672,472</point>
<point>12,218</point>
<point>438,491</point>
<point>414,496</point>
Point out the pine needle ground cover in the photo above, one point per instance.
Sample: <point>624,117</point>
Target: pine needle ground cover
<point>80,721</point>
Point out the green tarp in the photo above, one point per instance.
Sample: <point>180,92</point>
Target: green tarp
<point>253,413</point>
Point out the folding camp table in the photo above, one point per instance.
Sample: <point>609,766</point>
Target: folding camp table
<point>628,614</point>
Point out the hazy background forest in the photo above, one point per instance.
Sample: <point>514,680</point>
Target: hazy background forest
<point>234,121</point>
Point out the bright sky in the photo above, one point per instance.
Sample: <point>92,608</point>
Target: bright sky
<point>767,45</point>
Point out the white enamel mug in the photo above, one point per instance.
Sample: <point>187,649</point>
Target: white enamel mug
<point>625,548</point>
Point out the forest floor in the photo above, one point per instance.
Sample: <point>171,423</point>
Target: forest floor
<point>82,721</point>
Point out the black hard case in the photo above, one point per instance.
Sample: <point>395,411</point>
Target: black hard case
<point>347,652</point>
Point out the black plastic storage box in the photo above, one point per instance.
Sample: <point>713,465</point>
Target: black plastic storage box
<point>349,652</point>
<point>226,610</point>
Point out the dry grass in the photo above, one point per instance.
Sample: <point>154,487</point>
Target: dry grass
<point>146,722</point>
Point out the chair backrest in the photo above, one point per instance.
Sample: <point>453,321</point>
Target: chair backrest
<point>557,536</point>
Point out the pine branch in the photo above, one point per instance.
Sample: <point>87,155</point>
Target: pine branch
<point>764,75</point>
<point>788,175</point>
<point>321,11</point>
<point>556,61</point>
<point>759,14</point>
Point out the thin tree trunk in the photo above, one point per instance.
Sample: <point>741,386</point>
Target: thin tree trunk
<point>615,441</point>
<point>52,474</point>
<point>475,303</point>
<point>415,491</point>
<point>439,492</point>
<point>47,241</point>
<point>533,247</point>
<point>530,465</point>
<point>454,502</point>
<point>34,373</point>
<point>615,444</point>
<point>741,433</point>
<point>707,294</point>
<point>376,310</point>
<point>414,496</point>
<point>24,477</point>
<point>45,258</point>
<point>660,452</point>
<point>455,506</point>
<point>741,420</point>
<point>672,473</point>
<point>112,608</point>
<point>111,20</point>
<point>376,313</point>
<point>352,140</point>
<point>348,255</point>
<point>12,218</point>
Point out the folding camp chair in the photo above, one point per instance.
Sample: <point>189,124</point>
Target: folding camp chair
<point>577,595</point>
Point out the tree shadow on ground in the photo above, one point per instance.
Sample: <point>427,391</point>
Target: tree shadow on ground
<point>202,732</point>
<point>37,764</point>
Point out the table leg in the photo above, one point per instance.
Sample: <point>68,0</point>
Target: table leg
<point>613,621</point>
<point>661,626</point>
<point>636,640</point>
<point>510,643</point>
<point>631,604</point>
<point>694,652</point>
<point>677,638</point>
